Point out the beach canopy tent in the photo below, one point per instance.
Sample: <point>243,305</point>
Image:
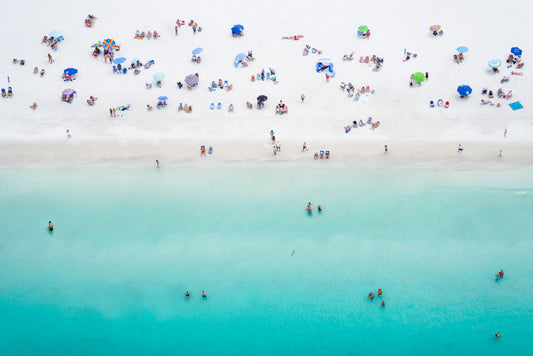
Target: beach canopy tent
<point>119,60</point>
<point>238,59</point>
<point>323,65</point>
<point>70,71</point>
<point>191,79</point>
<point>516,51</point>
<point>237,29</point>
<point>159,76</point>
<point>54,34</point>
<point>495,63</point>
<point>434,27</point>
<point>262,98</point>
<point>197,50</point>
<point>362,28</point>
<point>68,91</point>
<point>516,106</point>
<point>462,49</point>
<point>163,98</point>
<point>109,44</point>
<point>419,77</point>
<point>464,90</point>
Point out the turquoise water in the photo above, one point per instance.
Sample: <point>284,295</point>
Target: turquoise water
<point>129,242</point>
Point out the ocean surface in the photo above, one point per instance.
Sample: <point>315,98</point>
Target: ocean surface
<point>128,243</point>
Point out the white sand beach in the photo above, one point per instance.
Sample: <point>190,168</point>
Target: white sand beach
<point>415,132</point>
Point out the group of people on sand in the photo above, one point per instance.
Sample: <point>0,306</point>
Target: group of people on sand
<point>458,58</point>
<point>355,124</point>
<point>281,108</point>
<point>89,21</point>
<point>148,35</point>
<point>323,154</point>
<point>220,85</point>
<point>310,209</point>
<point>371,296</point>
<point>185,107</point>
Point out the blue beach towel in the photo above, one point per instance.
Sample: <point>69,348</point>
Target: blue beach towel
<point>516,105</point>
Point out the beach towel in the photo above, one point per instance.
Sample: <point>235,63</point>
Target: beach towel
<point>516,105</point>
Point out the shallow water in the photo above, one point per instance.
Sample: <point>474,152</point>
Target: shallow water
<point>129,242</point>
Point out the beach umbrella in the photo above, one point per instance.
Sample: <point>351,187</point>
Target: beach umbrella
<point>99,44</point>
<point>68,91</point>
<point>109,44</point>
<point>262,98</point>
<point>191,79</point>
<point>119,60</point>
<point>362,28</point>
<point>238,59</point>
<point>516,51</point>
<point>462,49</point>
<point>163,98</point>
<point>495,63</point>
<point>70,71</point>
<point>237,29</point>
<point>159,76</point>
<point>434,27</point>
<point>54,34</point>
<point>464,90</point>
<point>419,77</point>
<point>197,51</point>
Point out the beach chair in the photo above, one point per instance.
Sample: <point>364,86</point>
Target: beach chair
<point>321,154</point>
<point>124,70</point>
<point>219,106</point>
<point>9,92</point>
<point>431,104</point>
<point>327,154</point>
<point>447,104</point>
<point>210,150</point>
<point>249,105</point>
<point>4,94</point>
<point>212,106</point>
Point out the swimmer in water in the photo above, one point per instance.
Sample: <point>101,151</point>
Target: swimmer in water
<point>204,295</point>
<point>292,254</point>
<point>50,226</point>
<point>380,292</point>
<point>382,303</point>
<point>309,209</point>
<point>187,295</point>
<point>497,335</point>
<point>319,208</point>
<point>157,163</point>
<point>371,295</point>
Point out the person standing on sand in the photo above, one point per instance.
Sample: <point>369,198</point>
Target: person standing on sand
<point>460,148</point>
<point>50,59</point>
<point>278,146</point>
<point>157,163</point>
<point>505,133</point>
<point>274,150</point>
<point>303,98</point>
<point>304,147</point>
<point>176,29</point>
<point>111,112</point>
<point>68,134</point>
<point>386,149</point>
<point>114,112</point>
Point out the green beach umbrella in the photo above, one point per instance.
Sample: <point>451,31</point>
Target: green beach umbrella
<point>419,77</point>
<point>362,28</point>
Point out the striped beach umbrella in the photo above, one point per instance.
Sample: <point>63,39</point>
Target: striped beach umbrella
<point>434,27</point>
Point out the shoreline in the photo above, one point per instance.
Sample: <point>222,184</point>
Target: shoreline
<point>362,154</point>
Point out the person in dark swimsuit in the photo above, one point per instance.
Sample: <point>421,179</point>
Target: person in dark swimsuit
<point>50,226</point>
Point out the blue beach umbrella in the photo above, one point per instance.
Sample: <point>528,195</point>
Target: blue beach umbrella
<point>462,49</point>
<point>197,51</point>
<point>191,79</point>
<point>516,51</point>
<point>235,30</point>
<point>70,71</point>
<point>464,90</point>
<point>163,98</point>
<point>119,60</point>
<point>238,59</point>
<point>159,76</point>
<point>54,34</point>
<point>495,63</point>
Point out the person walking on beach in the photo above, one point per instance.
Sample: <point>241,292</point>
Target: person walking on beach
<point>386,149</point>
<point>303,98</point>
<point>114,112</point>
<point>460,148</point>
<point>274,149</point>
<point>278,146</point>
<point>111,112</point>
<point>202,151</point>
<point>505,133</point>
<point>501,153</point>
<point>50,59</point>
<point>157,163</point>
<point>68,134</point>
<point>176,29</point>
<point>304,147</point>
